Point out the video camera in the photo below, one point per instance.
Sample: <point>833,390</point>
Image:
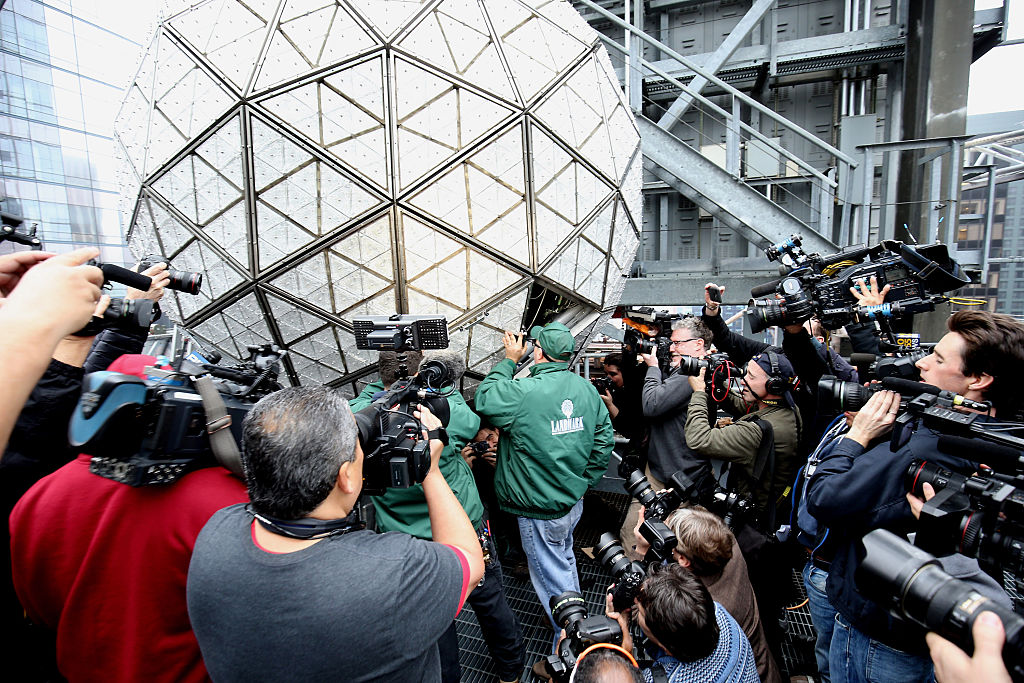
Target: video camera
<point>154,431</point>
<point>914,587</point>
<point>641,323</point>
<point>569,611</point>
<point>395,453</point>
<point>820,285</point>
<point>978,516</point>
<point>182,280</point>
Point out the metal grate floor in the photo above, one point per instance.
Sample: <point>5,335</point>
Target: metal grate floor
<point>477,667</point>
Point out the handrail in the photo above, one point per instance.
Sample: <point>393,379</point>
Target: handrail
<point>728,115</point>
<point>810,137</point>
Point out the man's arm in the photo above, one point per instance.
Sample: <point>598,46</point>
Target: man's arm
<point>848,481</point>
<point>659,398</point>
<point>48,301</point>
<point>739,348</point>
<point>604,442</point>
<point>498,397</point>
<point>738,442</point>
<point>448,521</point>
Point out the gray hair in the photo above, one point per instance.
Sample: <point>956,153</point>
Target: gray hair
<point>696,327</point>
<point>294,441</point>
<point>454,361</point>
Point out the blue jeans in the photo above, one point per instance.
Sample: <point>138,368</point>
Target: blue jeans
<point>855,658</point>
<point>548,547</point>
<point>823,615</point>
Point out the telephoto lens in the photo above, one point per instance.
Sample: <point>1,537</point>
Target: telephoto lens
<point>628,575</point>
<point>913,585</point>
<point>181,280</point>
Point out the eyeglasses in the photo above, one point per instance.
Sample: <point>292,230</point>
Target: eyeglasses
<point>683,341</point>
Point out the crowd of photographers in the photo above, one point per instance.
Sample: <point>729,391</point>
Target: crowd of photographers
<point>174,519</point>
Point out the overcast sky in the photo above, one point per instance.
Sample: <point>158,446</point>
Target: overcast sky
<point>994,86</point>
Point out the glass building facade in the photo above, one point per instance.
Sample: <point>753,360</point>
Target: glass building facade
<point>64,65</point>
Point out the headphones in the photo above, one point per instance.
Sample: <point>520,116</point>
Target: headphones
<point>776,383</point>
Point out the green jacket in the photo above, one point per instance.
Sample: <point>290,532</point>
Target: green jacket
<point>365,396</point>
<point>556,442</point>
<point>739,443</point>
<point>406,509</point>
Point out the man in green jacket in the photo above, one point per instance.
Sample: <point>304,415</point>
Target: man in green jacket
<point>405,510</point>
<point>558,438</point>
<point>388,371</point>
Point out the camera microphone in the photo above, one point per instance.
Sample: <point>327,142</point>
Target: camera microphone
<point>910,388</point>
<point>999,458</point>
<point>765,289</point>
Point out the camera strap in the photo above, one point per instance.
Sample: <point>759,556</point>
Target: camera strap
<point>308,529</point>
<point>218,424</point>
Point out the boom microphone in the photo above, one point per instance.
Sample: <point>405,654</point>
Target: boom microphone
<point>908,388</point>
<point>765,289</point>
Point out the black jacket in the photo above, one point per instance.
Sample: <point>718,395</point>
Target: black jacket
<point>855,491</point>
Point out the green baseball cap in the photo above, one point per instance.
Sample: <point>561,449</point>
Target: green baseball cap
<point>555,339</point>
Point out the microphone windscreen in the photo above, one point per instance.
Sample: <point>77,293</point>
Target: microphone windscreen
<point>907,387</point>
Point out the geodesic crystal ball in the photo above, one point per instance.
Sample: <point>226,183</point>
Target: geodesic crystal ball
<point>318,160</point>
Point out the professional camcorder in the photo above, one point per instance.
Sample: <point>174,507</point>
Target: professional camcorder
<point>395,453</point>
<point>978,516</point>
<point>154,431</point>
<point>649,331</point>
<point>914,587</point>
<point>569,611</point>
<point>814,285</point>
<point>181,280</point>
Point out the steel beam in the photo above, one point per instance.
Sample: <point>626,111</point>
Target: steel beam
<point>681,289</point>
<point>708,185</point>
<point>717,59</point>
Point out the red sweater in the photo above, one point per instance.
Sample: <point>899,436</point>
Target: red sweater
<point>104,565</point>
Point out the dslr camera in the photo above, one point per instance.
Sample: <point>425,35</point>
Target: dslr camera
<point>181,280</point>
<point>820,285</point>
<point>569,611</point>
<point>154,431</point>
<point>719,372</point>
<point>628,575</point>
<point>395,453</point>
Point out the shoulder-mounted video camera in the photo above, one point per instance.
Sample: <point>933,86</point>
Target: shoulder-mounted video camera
<point>814,285</point>
<point>155,430</point>
<point>395,453</point>
<point>649,332</point>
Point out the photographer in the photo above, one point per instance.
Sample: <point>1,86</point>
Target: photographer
<point>706,547</point>
<point>559,440</point>
<point>100,567</point>
<point>38,443</point>
<point>289,588</point>
<point>859,484</point>
<point>406,510</point>
<point>762,442</point>
<point>664,401</point>
<point>44,297</point>
<point>614,395</point>
<point>690,636</point>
